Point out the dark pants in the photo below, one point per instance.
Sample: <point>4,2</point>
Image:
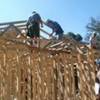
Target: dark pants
<point>34,30</point>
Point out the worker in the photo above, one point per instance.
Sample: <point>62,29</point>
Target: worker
<point>33,26</point>
<point>56,28</point>
<point>93,40</point>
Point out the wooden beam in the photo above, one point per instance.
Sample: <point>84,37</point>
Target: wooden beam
<point>14,22</point>
<point>20,25</point>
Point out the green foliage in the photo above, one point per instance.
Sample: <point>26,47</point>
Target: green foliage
<point>94,25</point>
<point>76,37</point>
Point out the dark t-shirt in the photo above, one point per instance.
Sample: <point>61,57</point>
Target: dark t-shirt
<point>58,28</point>
<point>34,18</point>
<point>55,26</point>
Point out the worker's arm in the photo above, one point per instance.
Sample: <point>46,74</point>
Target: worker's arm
<point>41,23</point>
<point>28,22</point>
<point>52,33</point>
<point>40,20</point>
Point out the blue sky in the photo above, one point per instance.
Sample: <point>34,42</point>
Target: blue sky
<point>73,15</point>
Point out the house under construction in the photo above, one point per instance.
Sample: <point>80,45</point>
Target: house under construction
<point>56,70</point>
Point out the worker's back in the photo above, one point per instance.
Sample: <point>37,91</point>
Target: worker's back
<point>55,26</point>
<point>58,28</point>
<point>50,23</point>
<point>36,17</point>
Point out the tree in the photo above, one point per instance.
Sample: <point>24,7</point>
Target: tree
<point>76,37</point>
<point>94,25</point>
<point>87,37</point>
<point>71,35</point>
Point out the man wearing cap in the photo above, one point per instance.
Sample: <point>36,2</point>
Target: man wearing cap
<point>33,26</point>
